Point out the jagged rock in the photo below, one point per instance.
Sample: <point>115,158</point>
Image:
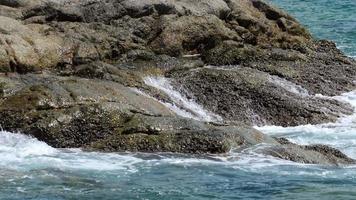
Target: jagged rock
<point>79,60</point>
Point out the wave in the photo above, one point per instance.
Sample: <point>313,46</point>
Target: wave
<point>23,153</point>
<point>341,134</point>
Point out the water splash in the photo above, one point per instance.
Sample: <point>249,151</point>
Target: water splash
<point>289,86</point>
<point>181,105</point>
<point>22,152</point>
<point>341,134</point>
<point>179,111</point>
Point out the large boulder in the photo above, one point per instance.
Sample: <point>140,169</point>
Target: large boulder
<point>71,74</point>
<point>69,112</point>
<point>249,95</point>
<point>106,116</point>
<point>185,34</point>
<point>27,48</point>
<point>309,154</point>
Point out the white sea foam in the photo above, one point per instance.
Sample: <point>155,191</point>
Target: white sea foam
<point>22,152</point>
<point>181,104</point>
<point>20,146</point>
<point>341,134</point>
<point>56,163</point>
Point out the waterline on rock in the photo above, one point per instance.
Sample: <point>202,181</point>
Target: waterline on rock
<point>340,135</point>
<point>53,160</point>
<point>22,153</point>
<point>289,86</point>
<point>181,105</point>
<point>172,107</point>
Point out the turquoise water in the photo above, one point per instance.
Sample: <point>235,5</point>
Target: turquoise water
<point>326,19</point>
<point>30,169</point>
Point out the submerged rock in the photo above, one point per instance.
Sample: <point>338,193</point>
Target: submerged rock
<point>309,154</point>
<point>72,74</point>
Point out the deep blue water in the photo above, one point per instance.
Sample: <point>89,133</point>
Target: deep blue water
<point>30,169</point>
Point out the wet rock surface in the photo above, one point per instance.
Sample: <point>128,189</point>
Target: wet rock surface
<point>309,154</point>
<point>72,74</point>
<point>249,95</point>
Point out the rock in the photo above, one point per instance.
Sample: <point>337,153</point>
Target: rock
<point>27,48</point>
<point>309,154</point>
<point>20,3</point>
<point>231,53</point>
<point>157,134</point>
<point>185,7</point>
<point>255,97</point>
<point>184,34</point>
<point>56,109</point>
<point>71,74</point>
<point>67,112</point>
<point>10,12</point>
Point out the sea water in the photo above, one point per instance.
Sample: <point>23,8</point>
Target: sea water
<point>326,19</point>
<point>30,169</point>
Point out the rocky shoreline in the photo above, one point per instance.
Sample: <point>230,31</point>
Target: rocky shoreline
<point>71,71</point>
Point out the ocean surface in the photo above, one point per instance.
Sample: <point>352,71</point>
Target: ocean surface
<point>30,169</point>
<point>326,19</point>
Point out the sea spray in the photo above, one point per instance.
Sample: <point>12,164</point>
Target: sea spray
<point>181,105</point>
<point>22,152</point>
<point>340,134</point>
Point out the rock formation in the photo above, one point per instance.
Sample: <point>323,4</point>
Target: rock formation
<point>70,71</point>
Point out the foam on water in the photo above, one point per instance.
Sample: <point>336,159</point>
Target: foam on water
<point>47,173</point>
<point>24,153</point>
<point>22,146</point>
<point>181,104</point>
<point>341,134</point>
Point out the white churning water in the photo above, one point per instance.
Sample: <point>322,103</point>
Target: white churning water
<point>181,105</point>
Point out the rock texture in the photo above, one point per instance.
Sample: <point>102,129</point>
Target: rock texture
<point>251,96</point>
<point>310,154</point>
<point>71,71</point>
